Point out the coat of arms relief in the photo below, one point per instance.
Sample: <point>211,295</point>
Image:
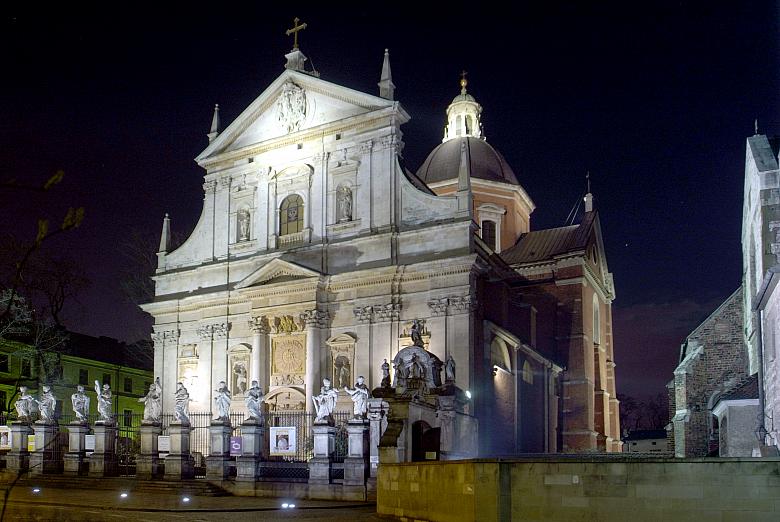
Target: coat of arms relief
<point>291,107</point>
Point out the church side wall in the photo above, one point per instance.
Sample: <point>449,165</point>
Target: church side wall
<point>771,333</point>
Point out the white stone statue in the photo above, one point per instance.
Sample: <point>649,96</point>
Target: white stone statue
<point>104,402</point>
<point>416,334</point>
<point>344,204</point>
<point>47,404</point>
<point>181,407</point>
<point>240,373</point>
<point>153,402</point>
<point>254,401</point>
<point>222,402</point>
<point>449,369</point>
<point>360,396</point>
<point>24,404</point>
<point>80,402</point>
<point>385,374</point>
<point>243,224</point>
<point>325,402</point>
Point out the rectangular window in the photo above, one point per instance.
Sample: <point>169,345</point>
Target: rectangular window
<point>128,385</point>
<point>83,377</point>
<point>3,400</point>
<point>26,368</point>
<point>489,234</point>
<point>4,362</point>
<point>127,418</point>
<point>107,378</point>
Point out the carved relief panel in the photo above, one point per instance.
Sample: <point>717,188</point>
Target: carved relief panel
<point>288,359</point>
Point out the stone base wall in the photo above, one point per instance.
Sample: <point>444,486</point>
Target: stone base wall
<point>562,489</point>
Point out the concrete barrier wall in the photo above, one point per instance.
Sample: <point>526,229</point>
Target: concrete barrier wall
<point>582,489</point>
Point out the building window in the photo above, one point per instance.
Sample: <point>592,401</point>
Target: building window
<point>84,377</point>
<point>26,368</point>
<point>489,233</point>
<point>128,385</point>
<point>291,215</point>
<point>107,378</point>
<point>3,400</point>
<point>4,362</point>
<point>127,418</point>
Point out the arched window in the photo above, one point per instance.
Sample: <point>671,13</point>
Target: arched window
<point>489,233</point>
<point>459,125</point>
<point>469,124</point>
<point>528,373</point>
<point>596,320</point>
<point>291,215</point>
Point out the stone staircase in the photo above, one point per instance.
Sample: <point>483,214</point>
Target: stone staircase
<point>200,488</point>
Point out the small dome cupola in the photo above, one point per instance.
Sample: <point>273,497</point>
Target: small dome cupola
<point>463,115</point>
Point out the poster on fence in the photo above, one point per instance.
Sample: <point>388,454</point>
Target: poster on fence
<point>283,441</point>
<point>89,444</point>
<point>5,437</point>
<point>163,445</point>
<point>30,443</point>
<point>235,447</point>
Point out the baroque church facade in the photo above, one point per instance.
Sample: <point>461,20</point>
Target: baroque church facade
<point>316,251</point>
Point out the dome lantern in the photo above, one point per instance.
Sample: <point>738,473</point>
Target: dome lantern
<point>463,115</point>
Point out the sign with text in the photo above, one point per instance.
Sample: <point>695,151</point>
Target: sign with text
<point>89,444</point>
<point>30,442</point>
<point>5,437</point>
<point>163,445</point>
<point>235,446</point>
<point>283,441</point>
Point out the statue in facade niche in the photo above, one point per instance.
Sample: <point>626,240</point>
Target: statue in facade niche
<point>416,334</point>
<point>80,403</point>
<point>254,402</point>
<point>240,375</point>
<point>222,402</point>
<point>104,398</point>
<point>449,369</point>
<point>385,375</point>
<point>153,402</point>
<point>24,404</point>
<point>344,204</point>
<point>181,406</point>
<point>243,224</point>
<point>359,395</point>
<point>325,402</point>
<point>416,369</point>
<point>47,404</point>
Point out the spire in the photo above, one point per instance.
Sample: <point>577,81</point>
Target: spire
<point>588,196</point>
<point>386,85</point>
<point>463,115</point>
<point>165,236</point>
<point>755,127</point>
<point>214,124</point>
<point>464,179</point>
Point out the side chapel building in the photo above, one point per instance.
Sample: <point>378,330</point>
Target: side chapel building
<point>316,249</point>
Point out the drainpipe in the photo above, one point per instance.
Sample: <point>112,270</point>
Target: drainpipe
<point>761,429</point>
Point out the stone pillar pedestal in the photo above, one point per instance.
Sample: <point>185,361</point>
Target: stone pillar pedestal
<point>103,462</point>
<point>179,464</point>
<point>75,460</point>
<point>377,416</point>
<point>324,446</point>
<point>252,443</point>
<point>218,461</point>
<point>18,459</point>
<point>355,464</point>
<point>47,457</point>
<point>147,463</point>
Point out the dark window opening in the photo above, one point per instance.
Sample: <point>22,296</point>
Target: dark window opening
<point>26,368</point>
<point>107,378</point>
<point>84,377</point>
<point>4,363</point>
<point>128,385</point>
<point>489,234</point>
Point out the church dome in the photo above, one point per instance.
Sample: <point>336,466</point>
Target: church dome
<point>486,162</point>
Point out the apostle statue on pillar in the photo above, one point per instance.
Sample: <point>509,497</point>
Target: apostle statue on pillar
<point>105,406</point>
<point>80,403</point>
<point>47,404</point>
<point>222,402</point>
<point>325,402</point>
<point>254,402</point>
<point>181,406</point>
<point>25,404</point>
<point>359,395</point>
<point>153,402</point>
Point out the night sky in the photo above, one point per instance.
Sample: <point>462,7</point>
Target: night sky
<point>655,99</point>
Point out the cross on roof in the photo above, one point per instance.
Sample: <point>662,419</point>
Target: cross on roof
<point>294,31</point>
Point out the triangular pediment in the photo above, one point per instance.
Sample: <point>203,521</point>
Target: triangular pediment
<point>294,102</point>
<point>276,271</point>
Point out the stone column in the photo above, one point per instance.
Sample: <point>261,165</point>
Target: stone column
<point>324,446</point>
<point>103,461</point>
<point>356,462</point>
<point>252,443</point>
<point>47,457</point>
<point>377,417</point>
<point>260,330</point>
<point>218,461</point>
<point>179,464</point>
<point>75,460</point>
<point>314,320</point>
<point>18,459</point>
<point>147,464</point>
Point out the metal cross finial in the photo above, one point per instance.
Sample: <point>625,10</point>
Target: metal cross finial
<point>755,126</point>
<point>463,82</point>
<point>587,179</point>
<point>294,31</point>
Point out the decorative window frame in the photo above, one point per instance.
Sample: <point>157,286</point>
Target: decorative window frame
<point>494,213</point>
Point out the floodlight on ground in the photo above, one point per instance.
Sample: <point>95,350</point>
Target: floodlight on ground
<point>292,506</point>
<point>185,499</point>
<point>36,490</point>
<point>468,394</point>
<point>123,495</point>
<point>285,505</point>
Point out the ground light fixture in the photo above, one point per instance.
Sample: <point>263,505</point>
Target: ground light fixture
<point>36,490</point>
<point>185,499</point>
<point>288,506</point>
<point>468,394</point>
<point>123,495</point>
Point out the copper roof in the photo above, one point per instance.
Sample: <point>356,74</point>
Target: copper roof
<point>486,162</point>
<point>541,245</point>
